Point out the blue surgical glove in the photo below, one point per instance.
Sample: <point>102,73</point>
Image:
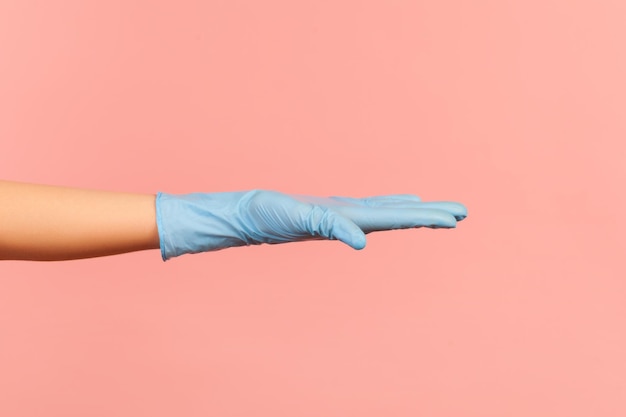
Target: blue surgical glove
<point>202,222</point>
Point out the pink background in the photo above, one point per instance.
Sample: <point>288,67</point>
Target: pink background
<point>515,108</point>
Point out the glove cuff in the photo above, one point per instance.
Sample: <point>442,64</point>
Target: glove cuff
<point>198,222</point>
<point>160,227</point>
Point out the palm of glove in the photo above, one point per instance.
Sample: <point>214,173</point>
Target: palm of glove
<point>272,217</point>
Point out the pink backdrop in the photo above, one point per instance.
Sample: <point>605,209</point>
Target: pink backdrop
<point>515,108</point>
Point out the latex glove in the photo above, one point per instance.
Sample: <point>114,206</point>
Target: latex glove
<point>202,222</point>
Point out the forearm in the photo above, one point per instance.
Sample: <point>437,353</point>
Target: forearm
<point>48,223</point>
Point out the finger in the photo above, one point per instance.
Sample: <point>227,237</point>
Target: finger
<point>376,201</point>
<point>331,225</point>
<point>458,210</point>
<point>380,200</point>
<point>383,218</point>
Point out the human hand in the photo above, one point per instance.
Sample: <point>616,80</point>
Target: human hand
<point>202,222</point>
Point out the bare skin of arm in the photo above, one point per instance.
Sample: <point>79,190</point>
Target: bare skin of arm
<point>51,223</point>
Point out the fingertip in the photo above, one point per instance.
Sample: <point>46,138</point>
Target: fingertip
<point>462,214</point>
<point>335,226</point>
<point>447,212</point>
<point>446,220</point>
<point>358,241</point>
<point>352,236</point>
